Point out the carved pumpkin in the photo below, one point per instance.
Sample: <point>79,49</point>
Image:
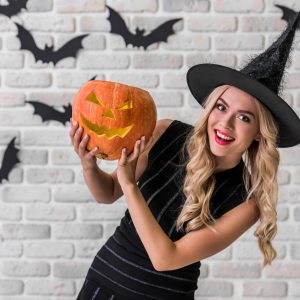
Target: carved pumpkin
<point>114,115</point>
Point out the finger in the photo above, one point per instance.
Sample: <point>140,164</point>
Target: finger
<point>77,136</point>
<point>123,158</point>
<point>73,129</point>
<point>93,152</point>
<point>82,144</point>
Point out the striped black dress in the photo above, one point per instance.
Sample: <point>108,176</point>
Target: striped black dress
<point>122,269</point>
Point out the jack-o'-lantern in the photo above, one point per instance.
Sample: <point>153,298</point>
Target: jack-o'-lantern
<point>114,115</point>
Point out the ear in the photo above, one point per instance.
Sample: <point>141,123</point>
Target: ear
<point>257,137</point>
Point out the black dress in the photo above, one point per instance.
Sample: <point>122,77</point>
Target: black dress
<point>122,268</point>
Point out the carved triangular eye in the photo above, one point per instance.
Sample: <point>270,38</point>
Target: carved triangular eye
<point>126,105</point>
<point>93,98</point>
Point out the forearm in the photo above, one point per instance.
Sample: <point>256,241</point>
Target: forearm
<point>100,184</point>
<point>156,242</point>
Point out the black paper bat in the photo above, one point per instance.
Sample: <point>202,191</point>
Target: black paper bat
<point>48,54</point>
<point>288,14</point>
<point>138,39</point>
<point>13,7</point>
<point>9,160</point>
<point>47,112</point>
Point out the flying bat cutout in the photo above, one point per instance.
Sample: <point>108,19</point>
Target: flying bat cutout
<point>47,112</point>
<point>160,34</point>
<point>13,7</point>
<point>9,160</point>
<point>288,14</point>
<point>47,54</point>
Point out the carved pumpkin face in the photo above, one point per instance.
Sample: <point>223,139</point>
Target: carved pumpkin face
<point>114,116</point>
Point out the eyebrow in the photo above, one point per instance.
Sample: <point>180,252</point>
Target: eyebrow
<point>242,111</point>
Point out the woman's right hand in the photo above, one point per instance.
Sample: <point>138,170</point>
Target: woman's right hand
<point>88,158</point>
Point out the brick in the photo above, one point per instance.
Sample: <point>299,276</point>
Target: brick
<point>50,287</point>
<point>289,194</point>
<point>49,175</point>
<point>48,249</point>
<point>214,288</point>
<point>10,213</point>
<point>288,232</point>
<point>12,99</point>
<point>6,25</point>
<point>11,60</point>
<point>26,194</point>
<point>188,6</point>
<point>295,248</point>
<point>79,6</point>
<point>10,249</point>
<point>212,23</point>
<point>270,5</point>
<point>94,23</point>
<point>87,249</point>
<point>25,268</point>
<point>239,42</point>
<point>49,23</point>
<point>249,250</point>
<point>296,175</point>
<point>28,80</point>
<point>70,269</point>
<point>33,157</point>
<point>141,80</point>
<point>39,137</point>
<point>174,80</point>
<point>259,24</point>
<point>290,156</point>
<point>11,286</point>
<point>284,176</point>
<point>77,231</point>
<point>94,42</point>
<point>39,6</point>
<point>96,212</point>
<point>295,288</point>
<point>64,156</point>
<point>225,59</point>
<point>236,270</point>
<point>133,5</point>
<point>54,98</point>
<point>264,288</point>
<point>297,214</point>
<point>91,60</point>
<point>46,212</point>
<point>154,61</point>
<point>283,270</point>
<point>240,6</point>
<point>25,231</point>
<point>167,99</point>
<point>74,79</point>
<point>187,42</point>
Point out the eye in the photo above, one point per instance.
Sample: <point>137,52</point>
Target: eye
<point>245,118</point>
<point>218,105</point>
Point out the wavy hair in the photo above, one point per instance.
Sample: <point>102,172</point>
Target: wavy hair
<point>261,161</point>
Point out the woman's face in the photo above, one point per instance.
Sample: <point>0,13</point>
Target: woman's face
<point>230,118</point>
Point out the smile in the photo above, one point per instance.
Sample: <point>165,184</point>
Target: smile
<point>221,141</point>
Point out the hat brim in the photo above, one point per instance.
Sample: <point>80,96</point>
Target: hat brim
<point>203,78</point>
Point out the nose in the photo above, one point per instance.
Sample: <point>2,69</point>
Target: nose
<point>228,122</point>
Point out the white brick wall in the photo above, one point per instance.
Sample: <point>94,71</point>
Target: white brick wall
<point>50,226</point>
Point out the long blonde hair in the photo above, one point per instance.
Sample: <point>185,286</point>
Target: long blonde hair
<point>261,162</point>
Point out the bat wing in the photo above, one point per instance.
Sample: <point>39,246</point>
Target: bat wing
<point>288,14</point>
<point>69,49</point>
<point>47,112</point>
<point>9,160</point>
<point>119,27</point>
<point>28,43</point>
<point>13,8</point>
<point>160,34</point>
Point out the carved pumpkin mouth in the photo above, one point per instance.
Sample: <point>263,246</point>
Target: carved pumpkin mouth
<point>104,130</point>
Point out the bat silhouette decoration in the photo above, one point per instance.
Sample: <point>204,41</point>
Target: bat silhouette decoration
<point>160,34</point>
<point>9,160</point>
<point>13,7</point>
<point>288,14</point>
<point>47,54</point>
<point>47,112</point>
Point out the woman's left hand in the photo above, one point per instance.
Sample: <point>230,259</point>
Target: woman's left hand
<point>127,164</point>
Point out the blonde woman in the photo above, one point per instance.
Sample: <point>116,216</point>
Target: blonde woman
<point>191,191</point>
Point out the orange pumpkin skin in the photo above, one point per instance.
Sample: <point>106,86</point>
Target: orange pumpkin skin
<point>114,115</point>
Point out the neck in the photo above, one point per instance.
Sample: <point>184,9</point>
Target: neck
<point>224,163</point>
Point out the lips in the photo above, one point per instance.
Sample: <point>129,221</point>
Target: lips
<point>223,133</point>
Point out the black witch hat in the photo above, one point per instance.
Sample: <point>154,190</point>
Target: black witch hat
<point>261,78</point>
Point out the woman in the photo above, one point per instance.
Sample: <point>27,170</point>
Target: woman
<point>195,195</point>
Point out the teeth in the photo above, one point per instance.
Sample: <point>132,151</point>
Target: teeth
<point>223,136</point>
